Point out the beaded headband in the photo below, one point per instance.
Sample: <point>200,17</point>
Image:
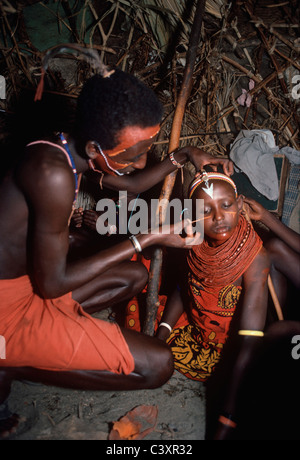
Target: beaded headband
<point>205,177</point>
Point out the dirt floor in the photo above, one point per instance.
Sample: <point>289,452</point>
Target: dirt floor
<point>270,408</point>
<point>54,413</point>
<point>59,414</point>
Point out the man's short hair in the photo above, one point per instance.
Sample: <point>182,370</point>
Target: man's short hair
<point>107,105</point>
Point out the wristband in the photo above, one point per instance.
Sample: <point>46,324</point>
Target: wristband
<point>166,325</point>
<point>136,244</point>
<point>251,333</point>
<point>175,162</point>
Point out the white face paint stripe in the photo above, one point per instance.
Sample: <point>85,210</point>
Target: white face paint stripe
<point>205,177</point>
<point>209,190</point>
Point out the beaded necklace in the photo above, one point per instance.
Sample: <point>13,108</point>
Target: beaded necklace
<point>216,267</point>
<point>65,143</point>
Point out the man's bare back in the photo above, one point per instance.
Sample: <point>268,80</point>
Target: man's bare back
<point>14,211</point>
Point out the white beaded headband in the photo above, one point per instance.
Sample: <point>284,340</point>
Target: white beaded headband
<point>209,189</point>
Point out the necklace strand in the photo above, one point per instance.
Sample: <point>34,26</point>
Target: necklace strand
<point>65,143</point>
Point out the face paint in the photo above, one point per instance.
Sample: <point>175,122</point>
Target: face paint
<point>130,140</point>
<point>106,164</point>
<point>130,136</point>
<point>208,189</point>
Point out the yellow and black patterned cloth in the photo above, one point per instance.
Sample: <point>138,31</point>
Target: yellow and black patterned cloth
<point>197,346</point>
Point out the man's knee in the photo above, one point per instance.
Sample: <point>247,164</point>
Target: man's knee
<point>137,276</point>
<point>161,367</point>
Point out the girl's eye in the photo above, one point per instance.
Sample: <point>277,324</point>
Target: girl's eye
<point>207,211</point>
<point>227,205</point>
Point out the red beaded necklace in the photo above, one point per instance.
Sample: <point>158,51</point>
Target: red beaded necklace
<point>219,266</point>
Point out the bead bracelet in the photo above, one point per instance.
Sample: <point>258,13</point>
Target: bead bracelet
<point>175,162</point>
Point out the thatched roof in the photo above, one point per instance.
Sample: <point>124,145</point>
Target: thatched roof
<point>240,41</point>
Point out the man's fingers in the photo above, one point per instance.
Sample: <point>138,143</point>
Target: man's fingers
<point>194,240</point>
<point>228,167</point>
<point>188,227</point>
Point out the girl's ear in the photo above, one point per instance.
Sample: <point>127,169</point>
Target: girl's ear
<point>240,202</point>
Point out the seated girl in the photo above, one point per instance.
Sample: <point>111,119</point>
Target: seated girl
<point>231,261</point>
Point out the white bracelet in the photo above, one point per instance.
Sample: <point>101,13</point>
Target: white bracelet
<point>175,162</point>
<point>166,325</point>
<point>136,244</point>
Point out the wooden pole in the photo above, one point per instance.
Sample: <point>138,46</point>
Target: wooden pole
<point>156,262</point>
<point>275,299</point>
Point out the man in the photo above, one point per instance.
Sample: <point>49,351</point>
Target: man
<point>44,297</point>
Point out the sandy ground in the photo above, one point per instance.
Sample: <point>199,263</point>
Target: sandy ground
<point>58,414</point>
<point>54,413</point>
<point>269,411</point>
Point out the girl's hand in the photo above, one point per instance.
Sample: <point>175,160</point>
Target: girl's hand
<point>254,210</point>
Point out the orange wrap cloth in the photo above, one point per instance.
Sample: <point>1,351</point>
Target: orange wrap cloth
<point>197,345</point>
<point>57,334</point>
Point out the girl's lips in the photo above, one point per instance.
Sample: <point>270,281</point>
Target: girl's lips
<point>221,229</point>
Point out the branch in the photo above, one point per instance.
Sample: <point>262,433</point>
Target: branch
<point>156,262</point>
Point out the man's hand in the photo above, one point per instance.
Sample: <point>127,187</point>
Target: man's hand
<point>77,217</point>
<point>179,235</point>
<point>199,158</point>
<point>90,219</point>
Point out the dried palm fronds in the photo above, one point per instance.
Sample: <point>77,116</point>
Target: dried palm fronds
<point>164,17</point>
<point>135,34</point>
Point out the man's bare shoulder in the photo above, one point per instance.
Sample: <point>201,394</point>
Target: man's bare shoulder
<point>45,167</point>
<point>44,155</point>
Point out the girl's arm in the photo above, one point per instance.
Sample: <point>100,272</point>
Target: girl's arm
<point>173,310</point>
<point>257,212</point>
<point>253,318</point>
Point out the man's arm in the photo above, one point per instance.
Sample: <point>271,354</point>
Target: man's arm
<point>49,190</point>
<point>253,318</point>
<point>144,180</point>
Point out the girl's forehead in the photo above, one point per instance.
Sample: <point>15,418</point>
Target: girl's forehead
<point>214,190</point>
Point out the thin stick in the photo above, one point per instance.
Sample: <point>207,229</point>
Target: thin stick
<point>275,299</point>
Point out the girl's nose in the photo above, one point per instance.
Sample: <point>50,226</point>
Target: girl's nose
<point>218,215</point>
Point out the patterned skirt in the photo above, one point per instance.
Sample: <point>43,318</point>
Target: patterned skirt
<point>193,357</point>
